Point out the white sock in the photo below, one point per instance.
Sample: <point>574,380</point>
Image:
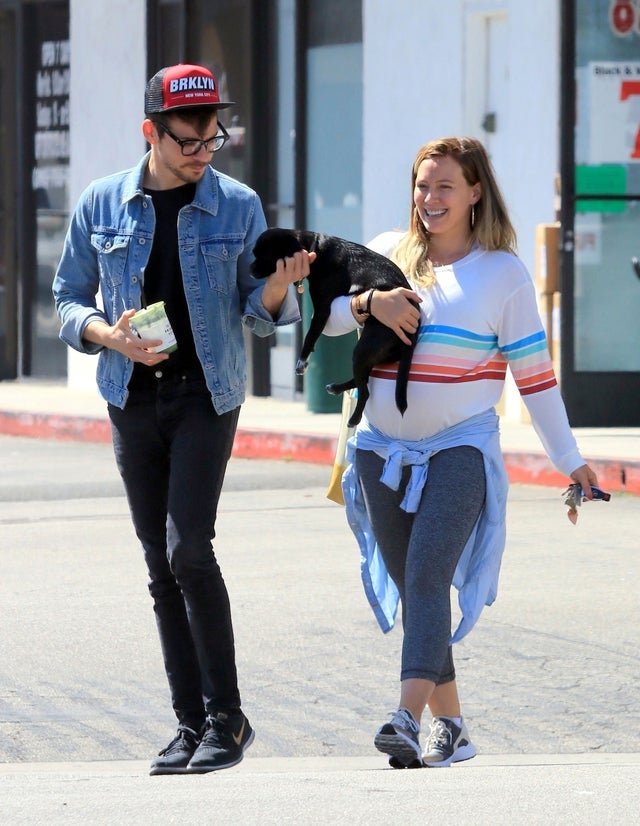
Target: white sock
<point>456,720</point>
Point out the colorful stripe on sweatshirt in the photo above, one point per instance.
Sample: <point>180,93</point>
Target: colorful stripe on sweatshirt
<point>450,355</point>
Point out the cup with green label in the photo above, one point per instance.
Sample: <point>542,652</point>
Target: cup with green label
<point>152,322</point>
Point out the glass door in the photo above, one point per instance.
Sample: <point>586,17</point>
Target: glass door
<point>8,255</point>
<point>47,79</point>
<point>332,157</point>
<point>601,213</point>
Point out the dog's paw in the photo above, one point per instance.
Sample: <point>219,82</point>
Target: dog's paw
<point>301,367</point>
<point>332,389</point>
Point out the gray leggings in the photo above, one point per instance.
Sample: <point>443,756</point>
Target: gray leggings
<point>421,550</point>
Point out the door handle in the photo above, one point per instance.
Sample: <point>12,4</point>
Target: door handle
<point>636,266</point>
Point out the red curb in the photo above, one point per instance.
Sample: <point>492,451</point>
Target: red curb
<point>616,474</point>
<point>48,426</point>
<point>536,469</point>
<point>264,444</point>
<point>524,468</point>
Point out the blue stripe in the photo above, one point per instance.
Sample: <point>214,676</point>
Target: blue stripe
<point>527,351</point>
<point>524,342</point>
<point>455,331</point>
<point>456,341</point>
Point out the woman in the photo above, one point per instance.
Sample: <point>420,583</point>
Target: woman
<point>426,492</point>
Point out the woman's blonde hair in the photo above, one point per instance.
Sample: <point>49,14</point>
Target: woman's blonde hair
<point>490,226</point>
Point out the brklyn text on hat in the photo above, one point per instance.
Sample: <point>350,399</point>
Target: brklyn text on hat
<point>183,84</point>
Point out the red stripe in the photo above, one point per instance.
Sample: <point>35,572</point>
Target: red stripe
<point>451,370</point>
<point>435,378</point>
<point>527,391</point>
<point>530,381</point>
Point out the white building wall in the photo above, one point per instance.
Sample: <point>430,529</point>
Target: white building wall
<point>423,77</point>
<point>428,72</point>
<point>108,76</point>
<point>534,132</point>
<point>413,91</point>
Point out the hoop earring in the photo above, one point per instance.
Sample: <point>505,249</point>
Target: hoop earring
<point>473,215</point>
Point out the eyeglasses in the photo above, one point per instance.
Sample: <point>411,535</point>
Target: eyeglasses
<point>191,146</point>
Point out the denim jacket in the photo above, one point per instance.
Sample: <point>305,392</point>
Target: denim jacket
<point>107,249</point>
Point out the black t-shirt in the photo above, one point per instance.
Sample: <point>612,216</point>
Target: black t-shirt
<point>163,282</point>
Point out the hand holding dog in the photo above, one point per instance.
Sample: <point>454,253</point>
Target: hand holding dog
<point>344,268</point>
<point>394,309</point>
<point>288,271</point>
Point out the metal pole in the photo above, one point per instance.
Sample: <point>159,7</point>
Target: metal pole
<point>567,184</point>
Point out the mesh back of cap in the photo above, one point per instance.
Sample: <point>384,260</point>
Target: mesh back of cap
<point>153,97</point>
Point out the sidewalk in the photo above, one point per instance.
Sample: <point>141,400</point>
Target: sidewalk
<point>280,429</point>
<point>313,763</point>
<point>509,790</point>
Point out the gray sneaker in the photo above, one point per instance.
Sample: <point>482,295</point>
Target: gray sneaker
<point>447,743</point>
<point>399,739</point>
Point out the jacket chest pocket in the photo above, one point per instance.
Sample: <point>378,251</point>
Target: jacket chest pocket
<point>220,257</point>
<point>113,251</point>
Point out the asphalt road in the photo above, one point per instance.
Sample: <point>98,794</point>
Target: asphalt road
<point>551,668</point>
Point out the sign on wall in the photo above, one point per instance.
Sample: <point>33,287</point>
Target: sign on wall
<point>624,17</point>
<point>614,111</point>
<point>51,139</point>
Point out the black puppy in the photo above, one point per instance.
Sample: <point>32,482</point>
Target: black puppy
<point>342,268</point>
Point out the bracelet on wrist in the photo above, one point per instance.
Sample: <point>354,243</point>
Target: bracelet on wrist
<point>367,309</point>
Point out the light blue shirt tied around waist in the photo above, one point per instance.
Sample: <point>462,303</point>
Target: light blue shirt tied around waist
<point>476,575</point>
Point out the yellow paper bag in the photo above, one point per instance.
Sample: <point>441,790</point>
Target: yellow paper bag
<point>334,491</point>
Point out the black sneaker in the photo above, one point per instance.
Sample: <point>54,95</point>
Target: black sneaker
<point>225,738</point>
<point>174,758</point>
<point>399,739</point>
<point>448,743</point>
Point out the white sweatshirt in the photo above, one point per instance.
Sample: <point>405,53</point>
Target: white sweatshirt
<point>479,316</point>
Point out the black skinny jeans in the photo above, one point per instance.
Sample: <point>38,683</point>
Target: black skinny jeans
<point>172,451</point>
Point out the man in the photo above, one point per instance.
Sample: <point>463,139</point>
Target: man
<point>174,230</point>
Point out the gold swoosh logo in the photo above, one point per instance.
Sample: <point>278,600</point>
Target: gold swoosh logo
<point>237,739</point>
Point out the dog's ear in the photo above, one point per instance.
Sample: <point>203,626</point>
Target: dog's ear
<point>272,245</point>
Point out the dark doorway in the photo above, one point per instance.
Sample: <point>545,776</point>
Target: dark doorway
<point>8,189</point>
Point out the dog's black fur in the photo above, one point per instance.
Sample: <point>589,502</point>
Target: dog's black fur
<point>342,268</point>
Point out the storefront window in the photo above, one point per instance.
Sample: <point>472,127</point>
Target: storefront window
<point>334,121</point>
<point>333,100</point>
<point>48,47</point>
<point>607,153</point>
